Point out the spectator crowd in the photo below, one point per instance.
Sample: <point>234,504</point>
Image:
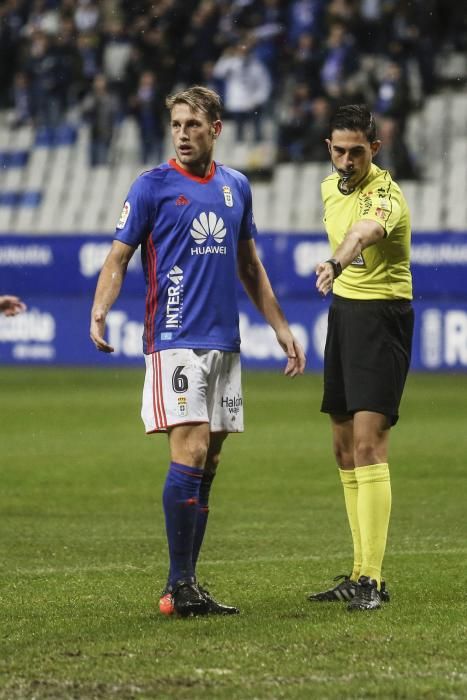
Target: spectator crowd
<point>292,60</point>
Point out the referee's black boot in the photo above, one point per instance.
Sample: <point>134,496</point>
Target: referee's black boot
<point>367,596</point>
<point>344,591</point>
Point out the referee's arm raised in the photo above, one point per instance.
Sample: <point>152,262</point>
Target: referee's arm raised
<point>360,235</point>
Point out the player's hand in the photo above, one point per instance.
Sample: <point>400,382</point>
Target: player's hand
<point>325,278</point>
<point>296,359</point>
<point>11,305</point>
<point>97,332</point>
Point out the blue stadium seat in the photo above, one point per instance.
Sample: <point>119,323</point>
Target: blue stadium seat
<point>13,159</point>
<point>49,137</point>
<point>20,199</point>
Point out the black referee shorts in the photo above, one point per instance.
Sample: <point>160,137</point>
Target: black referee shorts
<point>367,356</point>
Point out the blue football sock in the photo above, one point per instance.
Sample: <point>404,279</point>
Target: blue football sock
<point>180,500</point>
<point>203,513</point>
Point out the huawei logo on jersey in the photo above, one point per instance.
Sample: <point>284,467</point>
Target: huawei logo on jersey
<point>206,225</point>
<point>203,227</point>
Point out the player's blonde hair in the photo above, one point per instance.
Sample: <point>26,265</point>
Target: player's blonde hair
<point>199,98</point>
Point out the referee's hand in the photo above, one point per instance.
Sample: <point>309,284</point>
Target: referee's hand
<point>325,278</point>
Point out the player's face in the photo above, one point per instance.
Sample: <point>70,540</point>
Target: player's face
<point>193,137</point>
<point>351,154</point>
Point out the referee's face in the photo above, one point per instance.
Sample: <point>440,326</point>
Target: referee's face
<point>193,136</point>
<point>351,154</point>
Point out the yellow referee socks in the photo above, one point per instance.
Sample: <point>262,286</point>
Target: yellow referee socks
<point>374,509</point>
<point>350,484</point>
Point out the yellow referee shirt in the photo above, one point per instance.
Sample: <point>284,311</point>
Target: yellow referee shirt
<point>382,271</point>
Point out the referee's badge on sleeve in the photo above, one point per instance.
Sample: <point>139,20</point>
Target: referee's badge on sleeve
<point>228,196</point>
<point>124,215</point>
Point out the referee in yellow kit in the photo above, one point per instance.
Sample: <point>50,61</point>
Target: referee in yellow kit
<point>369,339</point>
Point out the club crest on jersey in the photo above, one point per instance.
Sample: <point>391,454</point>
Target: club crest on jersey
<point>124,215</point>
<point>228,195</point>
<point>182,408</point>
<point>208,226</point>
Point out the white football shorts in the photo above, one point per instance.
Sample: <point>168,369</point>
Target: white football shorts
<point>193,386</point>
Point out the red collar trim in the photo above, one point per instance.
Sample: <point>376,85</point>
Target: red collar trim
<point>173,164</point>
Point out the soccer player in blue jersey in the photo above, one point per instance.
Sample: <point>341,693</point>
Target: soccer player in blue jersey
<point>193,219</point>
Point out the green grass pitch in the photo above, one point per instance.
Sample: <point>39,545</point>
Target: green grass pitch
<point>83,549</point>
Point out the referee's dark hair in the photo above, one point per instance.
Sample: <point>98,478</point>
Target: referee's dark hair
<point>354,118</point>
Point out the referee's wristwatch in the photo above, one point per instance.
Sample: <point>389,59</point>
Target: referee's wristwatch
<point>336,267</point>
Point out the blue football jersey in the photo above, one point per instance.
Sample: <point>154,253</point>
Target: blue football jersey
<point>188,229</point>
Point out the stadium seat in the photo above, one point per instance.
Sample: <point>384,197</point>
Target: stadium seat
<point>119,184</point>
<point>451,65</point>
<point>6,218</point>
<point>411,192</point>
<point>225,146</point>
<point>458,115</point>
<point>309,215</point>
<point>429,207</point>
<point>283,196</point>
<point>261,193</point>
<point>456,200</point>
<point>22,138</point>
<point>49,185</point>
<point>93,203</point>
<point>57,175</point>
<point>13,159</point>
<point>13,178</point>
<point>126,142</point>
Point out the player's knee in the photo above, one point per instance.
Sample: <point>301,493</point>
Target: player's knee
<point>193,452</point>
<point>212,462</point>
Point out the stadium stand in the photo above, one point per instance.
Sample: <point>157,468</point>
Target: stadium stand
<point>51,52</point>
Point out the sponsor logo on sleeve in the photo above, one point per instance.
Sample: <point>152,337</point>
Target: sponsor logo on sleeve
<point>365,203</point>
<point>124,215</point>
<point>381,213</point>
<point>359,261</point>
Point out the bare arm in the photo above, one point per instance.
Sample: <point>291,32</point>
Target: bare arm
<point>360,236</point>
<point>108,288</point>
<point>258,287</point>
